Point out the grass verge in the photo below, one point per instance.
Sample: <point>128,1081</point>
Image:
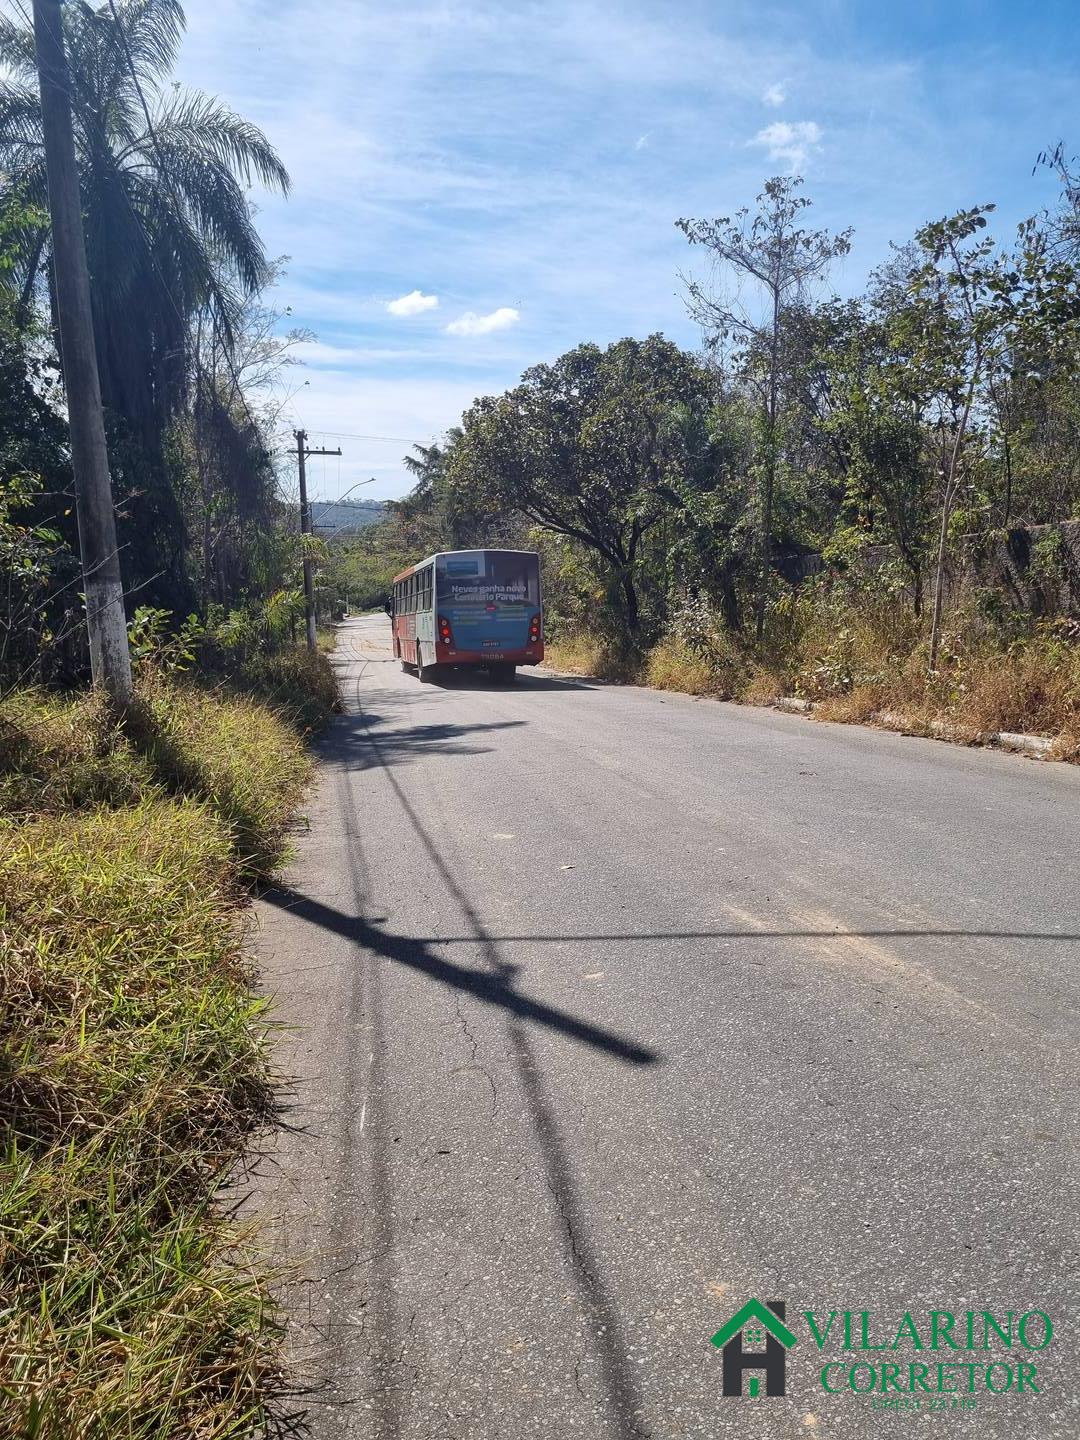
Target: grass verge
<point>133,1062</point>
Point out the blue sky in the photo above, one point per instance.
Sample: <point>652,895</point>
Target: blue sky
<point>523,164</point>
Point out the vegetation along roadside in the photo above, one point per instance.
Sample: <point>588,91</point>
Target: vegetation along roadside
<point>869,502</point>
<point>133,1049</point>
<point>852,661</point>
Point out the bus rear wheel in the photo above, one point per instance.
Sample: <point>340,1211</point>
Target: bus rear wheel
<point>504,673</point>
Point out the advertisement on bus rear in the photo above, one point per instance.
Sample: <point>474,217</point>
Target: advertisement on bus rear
<point>491,578</point>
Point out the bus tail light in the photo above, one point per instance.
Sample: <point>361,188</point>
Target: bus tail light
<point>534,630</point>
<point>445,634</point>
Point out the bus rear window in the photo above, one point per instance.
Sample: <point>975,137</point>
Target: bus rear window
<point>499,576</point>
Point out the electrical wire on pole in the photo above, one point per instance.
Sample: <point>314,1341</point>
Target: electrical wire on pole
<point>302,454</point>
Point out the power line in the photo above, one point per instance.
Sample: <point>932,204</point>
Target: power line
<point>352,435</point>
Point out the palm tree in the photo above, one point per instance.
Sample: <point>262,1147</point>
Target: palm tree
<point>168,225</point>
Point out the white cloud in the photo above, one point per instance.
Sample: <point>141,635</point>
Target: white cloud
<point>472,324</point>
<point>415,303</point>
<point>790,142</point>
<point>775,94</point>
<point>390,183</point>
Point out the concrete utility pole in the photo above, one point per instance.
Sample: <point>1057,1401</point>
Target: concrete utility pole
<point>110,659</point>
<point>302,453</point>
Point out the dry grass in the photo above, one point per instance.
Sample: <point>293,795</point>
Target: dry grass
<point>671,666</point>
<point>1033,688</point>
<point>1031,685</point>
<point>858,707</point>
<point>860,656</point>
<point>763,686</point>
<point>590,655</point>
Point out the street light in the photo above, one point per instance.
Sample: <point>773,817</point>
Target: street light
<point>340,498</point>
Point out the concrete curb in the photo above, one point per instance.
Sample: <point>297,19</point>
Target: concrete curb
<point>1037,746</point>
<point>1026,744</point>
<point>792,705</point>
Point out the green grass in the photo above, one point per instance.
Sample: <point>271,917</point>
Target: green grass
<point>132,1068</point>
<point>133,1061</point>
<point>58,754</point>
<point>297,684</point>
<point>238,744</point>
<point>230,750</point>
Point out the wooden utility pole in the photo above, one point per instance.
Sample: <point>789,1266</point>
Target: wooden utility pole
<point>302,453</point>
<point>110,659</point>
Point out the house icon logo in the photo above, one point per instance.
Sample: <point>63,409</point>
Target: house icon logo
<point>741,1341</point>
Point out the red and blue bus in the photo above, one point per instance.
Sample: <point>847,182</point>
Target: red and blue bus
<point>469,607</point>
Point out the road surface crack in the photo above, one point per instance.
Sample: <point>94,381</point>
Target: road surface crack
<point>474,1063</point>
<point>576,1253</point>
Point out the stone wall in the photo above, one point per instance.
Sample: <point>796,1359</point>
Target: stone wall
<point>1036,569</point>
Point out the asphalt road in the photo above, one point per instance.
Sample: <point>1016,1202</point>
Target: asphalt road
<point>610,1009</point>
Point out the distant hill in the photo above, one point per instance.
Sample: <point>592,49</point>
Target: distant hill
<point>334,518</point>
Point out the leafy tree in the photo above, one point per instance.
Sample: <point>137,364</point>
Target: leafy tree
<point>1061,227</point>
<point>584,447</point>
<point>875,418</point>
<point>168,231</point>
<point>955,327</point>
<point>237,391</point>
<point>438,516</point>
<point>705,535</point>
<point>1033,389</point>
<point>781,259</point>
<point>40,611</point>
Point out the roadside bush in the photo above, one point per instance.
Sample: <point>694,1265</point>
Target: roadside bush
<point>850,637</point>
<point>298,683</point>
<point>697,656</point>
<point>587,654</point>
<point>854,647</point>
